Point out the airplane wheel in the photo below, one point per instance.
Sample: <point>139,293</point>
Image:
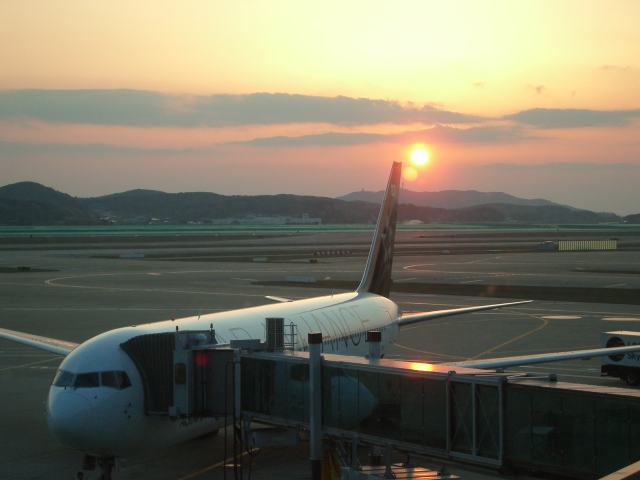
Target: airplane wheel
<point>632,379</point>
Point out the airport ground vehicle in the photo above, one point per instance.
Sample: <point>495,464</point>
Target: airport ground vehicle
<point>624,366</point>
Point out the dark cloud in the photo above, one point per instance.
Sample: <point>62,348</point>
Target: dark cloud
<point>152,109</point>
<point>573,118</point>
<point>323,139</point>
<point>102,107</point>
<point>488,134</point>
<point>573,167</point>
<point>439,134</point>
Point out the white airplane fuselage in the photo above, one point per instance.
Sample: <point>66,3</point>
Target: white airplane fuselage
<point>105,421</point>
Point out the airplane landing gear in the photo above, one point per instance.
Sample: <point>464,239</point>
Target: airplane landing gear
<point>106,465</point>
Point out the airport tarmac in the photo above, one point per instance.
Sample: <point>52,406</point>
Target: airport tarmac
<point>70,294</point>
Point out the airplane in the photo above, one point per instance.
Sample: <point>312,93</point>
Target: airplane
<point>96,403</point>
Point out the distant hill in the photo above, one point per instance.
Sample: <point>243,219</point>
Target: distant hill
<point>204,206</point>
<point>29,203</point>
<point>447,198</point>
<point>500,212</point>
<point>36,192</point>
<point>632,218</point>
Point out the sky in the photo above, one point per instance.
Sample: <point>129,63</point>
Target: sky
<point>537,99</point>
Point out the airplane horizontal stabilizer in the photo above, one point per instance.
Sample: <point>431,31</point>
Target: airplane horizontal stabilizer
<point>424,316</point>
<point>544,358</point>
<point>52,345</point>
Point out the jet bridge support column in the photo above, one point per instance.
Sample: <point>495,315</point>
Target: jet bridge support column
<point>315,404</point>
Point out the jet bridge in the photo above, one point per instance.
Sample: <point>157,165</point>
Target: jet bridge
<point>185,374</point>
<point>453,413</point>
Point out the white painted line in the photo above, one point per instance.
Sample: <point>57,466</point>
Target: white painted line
<point>621,319</point>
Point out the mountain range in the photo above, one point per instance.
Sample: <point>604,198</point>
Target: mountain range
<point>29,203</point>
<point>448,198</point>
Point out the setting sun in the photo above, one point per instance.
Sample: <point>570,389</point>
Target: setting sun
<point>420,156</point>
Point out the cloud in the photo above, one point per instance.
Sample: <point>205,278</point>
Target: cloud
<point>151,109</point>
<point>440,134</point>
<point>571,167</point>
<point>479,84</point>
<point>21,148</point>
<point>322,139</point>
<point>574,118</point>
<point>102,107</point>
<point>488,134</point>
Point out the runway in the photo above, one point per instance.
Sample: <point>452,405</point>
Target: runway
<point>79,294</point>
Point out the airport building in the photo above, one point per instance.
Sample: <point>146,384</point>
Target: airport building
<point>264,220</point>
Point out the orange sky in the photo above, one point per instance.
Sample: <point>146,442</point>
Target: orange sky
<point>319,97</point>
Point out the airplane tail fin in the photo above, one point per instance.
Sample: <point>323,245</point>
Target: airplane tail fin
<point>377,273</point>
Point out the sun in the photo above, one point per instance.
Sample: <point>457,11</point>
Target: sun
<point>420,156</point>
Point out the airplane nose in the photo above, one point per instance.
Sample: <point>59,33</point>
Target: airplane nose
<point>70,417</point>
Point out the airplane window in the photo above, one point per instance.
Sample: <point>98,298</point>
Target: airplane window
<point>87,380</point>
<point>117,380</point>
<point>123,380</point>
<point>109,380</point>
<point>63,379</point>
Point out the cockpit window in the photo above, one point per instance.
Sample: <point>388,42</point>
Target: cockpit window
<point>87,380</point>
<point>63,379</point>
<point>117,380</point>
<point>109,380</point>
<point>123,380</point>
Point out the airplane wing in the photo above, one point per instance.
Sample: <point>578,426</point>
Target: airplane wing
<point>59,347</point>
<point>278,299</point>
<point>405,320</point>
<point>492,363</point>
